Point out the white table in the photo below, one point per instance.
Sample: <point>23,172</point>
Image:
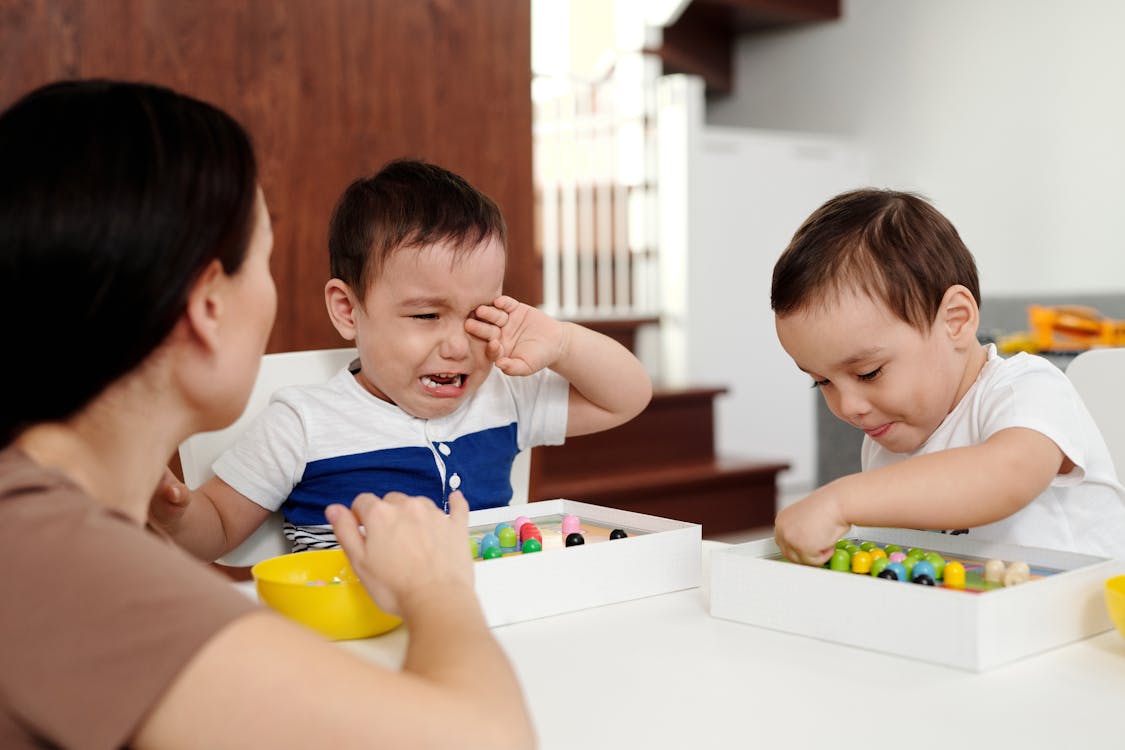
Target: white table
<point>662,673</point>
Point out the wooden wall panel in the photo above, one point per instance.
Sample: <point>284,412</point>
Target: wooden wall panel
<point>329,90</point>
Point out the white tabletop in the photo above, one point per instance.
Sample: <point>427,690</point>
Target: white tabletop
<point>662,673</point>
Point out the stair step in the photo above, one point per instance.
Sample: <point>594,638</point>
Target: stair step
<point>723,494</point>
<point>676,427</point>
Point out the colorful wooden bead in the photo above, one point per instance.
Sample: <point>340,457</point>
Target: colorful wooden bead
<point>573,539</point>
<point>508,538</point>
<point>532,545</point>
<point>896,556</point>
<point>893,548</point>
<point>933,558</point>
<point>530,531</point>
<point>877,553</point>
<point>843,543</point>
<point>879,564</point>
<point>924,580</point>
<point>922,569</point>
<point>861,562</point>
<point>488,541</point>
<point>491,553</point>
<point>570,524</point>
<point>1017,573</point>
<point>898,569</point>
<point>474,547</point>
<point>840,560</point>
<point>867,546</point>
<point>954,575</point>
<point>618,534</point>
<point>994,571</point>
<point>889,574</point>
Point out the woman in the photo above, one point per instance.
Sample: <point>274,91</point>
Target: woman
<point>135,287</point>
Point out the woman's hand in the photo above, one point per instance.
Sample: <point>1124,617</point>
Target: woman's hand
<point>408,549</point>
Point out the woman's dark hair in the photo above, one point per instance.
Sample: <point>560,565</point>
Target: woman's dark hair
<point>113,199</point>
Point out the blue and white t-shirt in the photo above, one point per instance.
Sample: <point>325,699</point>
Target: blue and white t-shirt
<point>322,444</point>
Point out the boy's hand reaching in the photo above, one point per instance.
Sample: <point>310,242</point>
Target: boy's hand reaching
<point>409,549</point>
<point>169,501</point>
<point>807,531</point>
<point>521,339</point>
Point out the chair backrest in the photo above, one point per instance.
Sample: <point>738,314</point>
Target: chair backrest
<point>1099,377</point>
<point>200,451</point>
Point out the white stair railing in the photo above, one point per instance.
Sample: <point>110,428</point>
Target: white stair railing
<point>596,192</point>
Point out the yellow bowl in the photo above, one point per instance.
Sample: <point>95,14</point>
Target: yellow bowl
<point>1115,601</point>
<point>319,589</point>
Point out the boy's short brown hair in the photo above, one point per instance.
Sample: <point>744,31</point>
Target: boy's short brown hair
<point>407,203</point>
<point>893,246</point>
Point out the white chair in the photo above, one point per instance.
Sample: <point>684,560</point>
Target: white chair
<point>200,451</point>
<point>1099,377</point>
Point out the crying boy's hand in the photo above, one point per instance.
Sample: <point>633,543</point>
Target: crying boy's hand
<point>169,501</point>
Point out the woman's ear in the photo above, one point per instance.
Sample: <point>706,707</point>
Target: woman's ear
<point>204,314</point>
<point>341,303</point>
<point>959,314</point>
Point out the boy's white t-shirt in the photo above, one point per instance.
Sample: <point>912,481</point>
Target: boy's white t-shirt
<point>1082,511</point>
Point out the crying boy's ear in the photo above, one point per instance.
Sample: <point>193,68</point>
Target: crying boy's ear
<point>341,304</point>
<point>959,314</point>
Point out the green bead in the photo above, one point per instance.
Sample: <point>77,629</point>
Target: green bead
<point>867,546</point>
<point>878,564</point>
<point>507,536</point>
<point>492,553</point>
<point>893,548</point>
<point>474,547</point>
<point>933,558</point>
<point>843,543</point>
<point>532,545</point>
<point>916,553</point>
<point>851,549</point>
<point>840,560</point>
<point>908,563</point>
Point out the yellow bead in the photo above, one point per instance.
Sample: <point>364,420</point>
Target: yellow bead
<point>861,562</point>
<point>877,552</point>
<point>954,575</point>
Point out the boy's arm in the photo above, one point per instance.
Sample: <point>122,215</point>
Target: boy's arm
<point>608,385</point>
<point>209,521</point>
<point>951,489</point>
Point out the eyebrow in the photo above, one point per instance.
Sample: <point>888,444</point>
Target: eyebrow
<point>861,356</point>
<point>424,302</point>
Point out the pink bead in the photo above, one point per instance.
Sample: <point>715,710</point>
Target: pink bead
<point>520,522</point>
<point>570,524</point>
<point>896,556</point>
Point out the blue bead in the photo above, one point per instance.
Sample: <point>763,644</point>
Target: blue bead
<point>489,540</point>
<point>923,568</point>
<point>899,569</point>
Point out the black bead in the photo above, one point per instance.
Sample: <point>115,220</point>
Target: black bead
<point>923,579</point>
<point>573,539</point>
<point>888,574</point>
<point>617,534</point>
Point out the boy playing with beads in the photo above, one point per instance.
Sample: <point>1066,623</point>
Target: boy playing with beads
<point>877,300</point>
<point>452,380</point>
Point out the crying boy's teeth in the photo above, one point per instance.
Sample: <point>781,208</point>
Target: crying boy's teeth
<point>433,381</point>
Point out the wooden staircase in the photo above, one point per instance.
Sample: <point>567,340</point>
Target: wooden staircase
<point>663,463</point>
